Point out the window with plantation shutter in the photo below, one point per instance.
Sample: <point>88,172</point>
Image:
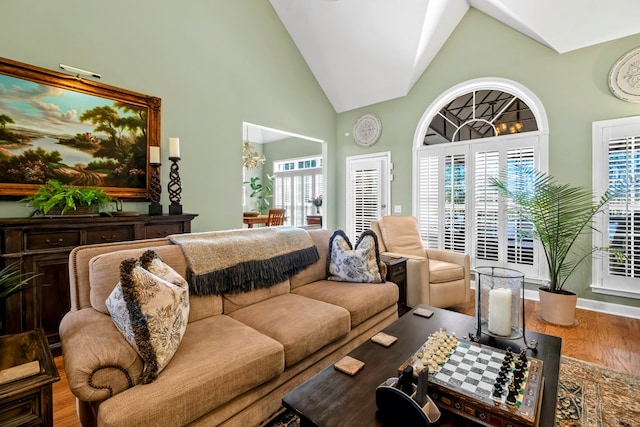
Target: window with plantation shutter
<point>520,242</point>
<point>459,210</point>
<point>367,192</point>
<point>486,208</point>
<point>455,212</point>
<point>296,181</point>
<point>428,204</point>
<point>616,163</point>
<point>366,203</point>
<point>466,137</point>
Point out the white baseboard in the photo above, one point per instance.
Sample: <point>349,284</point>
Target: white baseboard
<point>599,306</point>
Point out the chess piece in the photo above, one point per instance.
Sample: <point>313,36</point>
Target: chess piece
<point>511,396</point>
<point>497,390</point>
<point>523,355</point>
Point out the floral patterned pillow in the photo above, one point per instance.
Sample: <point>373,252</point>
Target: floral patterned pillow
<point>150,306</point>
<point>360,264</point>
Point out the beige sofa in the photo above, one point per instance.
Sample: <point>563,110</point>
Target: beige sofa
<point>240,353</point>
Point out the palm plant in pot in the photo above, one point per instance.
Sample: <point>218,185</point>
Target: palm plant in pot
<point>560,215</point>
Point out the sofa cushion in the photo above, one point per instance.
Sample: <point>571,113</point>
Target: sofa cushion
<point>442,271</point>
<point>150,306</point>
<point>218,360</point>
<point>232,302</point>
<point>401,235</point>
<point>360,264</point>
<point>362,300</point>
<point>317,271</point>
<point>302,325</point>
<point>103,276</point>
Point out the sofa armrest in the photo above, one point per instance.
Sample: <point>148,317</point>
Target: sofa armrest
<point>98,361</point>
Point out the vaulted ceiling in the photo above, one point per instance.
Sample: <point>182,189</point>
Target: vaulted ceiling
<point>367,51</point>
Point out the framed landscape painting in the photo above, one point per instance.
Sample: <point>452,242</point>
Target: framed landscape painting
<point>79,132</point>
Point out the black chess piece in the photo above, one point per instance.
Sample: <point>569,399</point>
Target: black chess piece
<point>497,390</point>
<point>523,355</point>
<point>511,396</point>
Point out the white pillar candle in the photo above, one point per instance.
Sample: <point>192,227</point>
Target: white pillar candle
<point>500,312</point>
<point>154,154</point>
<point>174,147</point>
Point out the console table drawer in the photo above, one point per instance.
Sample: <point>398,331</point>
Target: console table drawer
<point>109,235</point>
<point>162,230</point>
<point>57,239</point>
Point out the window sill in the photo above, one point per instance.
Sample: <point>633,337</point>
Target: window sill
<point>616,292</point>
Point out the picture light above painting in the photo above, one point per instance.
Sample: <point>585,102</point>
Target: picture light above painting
<point>77,131</point>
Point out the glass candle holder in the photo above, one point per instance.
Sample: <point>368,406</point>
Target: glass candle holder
<point>500,304</point>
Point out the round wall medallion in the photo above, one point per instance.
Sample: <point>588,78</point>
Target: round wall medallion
<point>624,78</point>
<point>367,130</point>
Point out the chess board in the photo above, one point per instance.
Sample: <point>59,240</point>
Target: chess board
<point>464,384</point>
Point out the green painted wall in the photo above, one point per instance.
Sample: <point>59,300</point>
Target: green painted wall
<point>213,64</point>
<point>572,87</point>
<point>217,63</point>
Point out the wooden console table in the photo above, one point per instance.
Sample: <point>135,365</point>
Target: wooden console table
<point>29,400</point>
<point>42,246</point>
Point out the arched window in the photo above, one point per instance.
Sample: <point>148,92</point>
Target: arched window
<point>466,136</point>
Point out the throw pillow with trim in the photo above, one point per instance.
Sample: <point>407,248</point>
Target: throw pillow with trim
<point>150,307</point>
<point>360,264</point>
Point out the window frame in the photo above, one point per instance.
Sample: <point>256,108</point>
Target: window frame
<point>541,135</point>
<point>602,133</point>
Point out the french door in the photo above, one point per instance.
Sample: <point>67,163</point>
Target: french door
<point>368,197</point>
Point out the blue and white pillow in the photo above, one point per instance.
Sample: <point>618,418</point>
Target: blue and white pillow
<point>360,264</point>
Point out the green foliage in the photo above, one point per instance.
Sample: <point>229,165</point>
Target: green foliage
<point>560,214</point>
<point>11,280</point>
<point>261,193</point>
<point>55,194</point>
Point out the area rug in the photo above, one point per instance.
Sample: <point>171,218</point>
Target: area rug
<point>589,395</point>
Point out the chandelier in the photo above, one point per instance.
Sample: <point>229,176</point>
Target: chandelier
<point>250,158</point>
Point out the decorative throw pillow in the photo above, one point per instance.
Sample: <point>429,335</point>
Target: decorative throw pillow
<point>361,265</point>
<point>150,306</point>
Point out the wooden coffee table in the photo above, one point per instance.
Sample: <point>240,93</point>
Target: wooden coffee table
<point>332,398</point>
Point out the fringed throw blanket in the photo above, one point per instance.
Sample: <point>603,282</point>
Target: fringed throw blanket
<point>237,261</point>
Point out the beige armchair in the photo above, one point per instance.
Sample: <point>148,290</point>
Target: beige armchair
<point>434,277</point>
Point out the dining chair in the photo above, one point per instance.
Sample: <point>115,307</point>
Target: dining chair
<point>275,217</point>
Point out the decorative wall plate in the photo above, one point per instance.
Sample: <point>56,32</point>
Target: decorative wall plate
<point>624,77</point>
<point>367,130</point>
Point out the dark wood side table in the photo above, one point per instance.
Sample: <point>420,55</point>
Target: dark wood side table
<point>27,401</point>
<point>397,273</point>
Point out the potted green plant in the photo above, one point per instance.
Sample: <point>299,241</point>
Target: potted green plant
<point>55,198</point>
<point>261,193</point>
<point>11,281</point>
<point>560,214</point>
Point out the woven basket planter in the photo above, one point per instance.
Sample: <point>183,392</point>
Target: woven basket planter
<point>80,210</point>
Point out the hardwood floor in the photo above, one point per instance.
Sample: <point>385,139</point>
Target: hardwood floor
<point>598,338</point>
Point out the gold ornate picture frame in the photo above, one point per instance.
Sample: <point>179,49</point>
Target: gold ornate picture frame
<point>77,131</point>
